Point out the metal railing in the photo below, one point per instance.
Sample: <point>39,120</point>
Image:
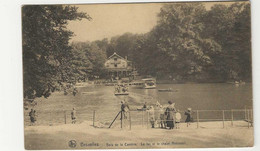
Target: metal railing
<point>139,118</point>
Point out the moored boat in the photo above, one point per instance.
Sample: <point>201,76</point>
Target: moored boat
<point>149,83</point>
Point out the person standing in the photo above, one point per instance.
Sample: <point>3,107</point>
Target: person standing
<point>73,116</point>
<point>145,106</point>
<point>32,115</point>
<point>75,91</point>
<point>189,118</point>
<point>151,116</point>
<point>170,111</point>
<point>124,109</point>
<point>177,119</point>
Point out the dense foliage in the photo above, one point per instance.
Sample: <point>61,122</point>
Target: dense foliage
<point>46,47</point>
<point>189,43</point>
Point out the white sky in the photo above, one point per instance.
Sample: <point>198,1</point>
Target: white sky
<point>116,19</point>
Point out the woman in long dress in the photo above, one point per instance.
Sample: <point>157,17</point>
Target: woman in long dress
<point>170,111</point>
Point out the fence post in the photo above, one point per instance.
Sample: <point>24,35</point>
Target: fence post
<point>121,119</point>
<point>65,117</point>
<point>252,117</point>
<point>248,120</point>
<point>245,113</point>
<point>130,120</point>
<point>223,114</point>
<point>232,118</point>
<point>94,114</point>
<point>147,120</point>
<point>142,118</point>
<point>197,118</point>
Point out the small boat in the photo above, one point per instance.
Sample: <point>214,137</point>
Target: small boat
<point>88,92</point>
<point>137,84</point>
<point>149,83</point>
<point>167,90</point>
<point>122,93</point>
<point>110,84</point>
<point>121,89</point>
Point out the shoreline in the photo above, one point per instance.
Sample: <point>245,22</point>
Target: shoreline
<point>209,134</point>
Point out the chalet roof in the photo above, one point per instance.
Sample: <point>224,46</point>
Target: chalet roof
<point>115,54</point>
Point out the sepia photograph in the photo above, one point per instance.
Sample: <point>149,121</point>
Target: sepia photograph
<point>137,75</point>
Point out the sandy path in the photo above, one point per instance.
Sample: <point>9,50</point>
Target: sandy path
<point>210,134</point>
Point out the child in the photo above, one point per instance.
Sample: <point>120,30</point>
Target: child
<point>189,116</point>
<point>178,119</point>
<point>73,116</point>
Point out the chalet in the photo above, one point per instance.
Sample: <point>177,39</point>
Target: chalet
<point>118,66</point>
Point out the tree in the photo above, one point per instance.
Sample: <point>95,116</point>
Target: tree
<point>180,49</point>
<point>88,59</point>
<point>229,26</point>
<point>46,47</point>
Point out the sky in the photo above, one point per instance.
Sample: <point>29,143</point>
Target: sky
<point>110,20</point>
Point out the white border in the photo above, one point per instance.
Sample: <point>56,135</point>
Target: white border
<point>11,112</point>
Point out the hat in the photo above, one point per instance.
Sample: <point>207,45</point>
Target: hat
<point>170,102</point>
<point>189,109</point>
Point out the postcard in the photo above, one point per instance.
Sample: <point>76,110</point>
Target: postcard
<point>137,75</point>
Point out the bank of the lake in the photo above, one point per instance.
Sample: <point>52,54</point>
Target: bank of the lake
<point>58,137</point>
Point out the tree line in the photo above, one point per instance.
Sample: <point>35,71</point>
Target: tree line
<point>189,43</point>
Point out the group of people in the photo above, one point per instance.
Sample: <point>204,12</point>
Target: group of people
<point>121,88</point>
<point>168,117</point>
<point>32,115</point>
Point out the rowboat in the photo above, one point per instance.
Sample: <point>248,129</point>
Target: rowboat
<point>122,93</point>
<point>167,90</point>
<point>149,83</point>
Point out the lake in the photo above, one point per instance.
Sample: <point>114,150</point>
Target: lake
<point>213,96</point>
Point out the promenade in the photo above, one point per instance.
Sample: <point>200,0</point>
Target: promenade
<point>209,134</point>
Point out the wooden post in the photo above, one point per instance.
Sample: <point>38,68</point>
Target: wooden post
<point>94,114</point>
<point>65,117</point>
<point>130,120</point>
<point>121,119</point>
<point>142,118</point>
<point>114,119</point>
<point>223,114</point>
<point>248,120</point>
<point>147,120</point>
<point>252,117</point>
<point>197,119</point>
<point>245,113</point>
<point>232,118</point>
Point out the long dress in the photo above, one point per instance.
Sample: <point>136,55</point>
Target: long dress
<point>170,116</point>
<point>189,117</point>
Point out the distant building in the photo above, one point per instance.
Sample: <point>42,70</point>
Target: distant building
<point>118,66</point>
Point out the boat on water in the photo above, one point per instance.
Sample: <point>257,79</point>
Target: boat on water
<point>137,84</point>
<point>167,90</point>
<point>121,89</point>
<point>109,84</point>
<point>236,82</point>
<point>122,93</point>
<point>149,83</point>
